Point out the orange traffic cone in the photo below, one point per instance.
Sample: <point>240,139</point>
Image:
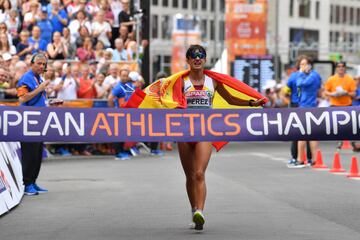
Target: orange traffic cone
<point>346,145</point>
<point>319,161</point>
<point>337,165</point>
<point>354,171</point>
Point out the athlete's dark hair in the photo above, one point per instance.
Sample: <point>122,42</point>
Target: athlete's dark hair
<point>194,48</point>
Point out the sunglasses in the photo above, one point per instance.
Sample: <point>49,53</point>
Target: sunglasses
<point>199,55</point>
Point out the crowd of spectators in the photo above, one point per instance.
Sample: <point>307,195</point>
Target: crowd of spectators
<point>91,46</point>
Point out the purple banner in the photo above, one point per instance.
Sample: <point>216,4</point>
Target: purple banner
<point>155,125</point>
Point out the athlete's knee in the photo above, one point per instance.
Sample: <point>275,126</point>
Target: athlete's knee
<point>199,176</point>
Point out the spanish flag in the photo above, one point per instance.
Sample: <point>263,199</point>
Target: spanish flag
<point>168,93</point>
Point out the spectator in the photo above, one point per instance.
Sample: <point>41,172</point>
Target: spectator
<point>131,50</point>
<point>4,82</point>
<point>294,102</point>
<point>356,100</point>
<point>116,8</point>
<point>45,25</point>
<point>69,43</point>
<point>67,84</point>
<point>101,90</point>
<point>49,75</point>
<point>93,7</point>
<point>6,60</point>
<point>99,50</point>
<point>38,44</point>
<point>340,88</point>
<point>57,49</point>
<point>57,16</point>
<point>58,68</point>
<point>5,47</point>
<point>5,8</point>
<point>13,25</point>
<point>101,29</point>
<point>75,24</point>
<point>31,16</point>
<point>86,85</point>
<point>119,53</point>
<point>23,48</point>
<point>125,18</point>
<point>73,8</point>
<point>124,35</point>
<point>86,52</point>
<point>109,16</point>
<point>308,84</point>
<point>113,78</point>
<point>4,29</point>
<point>83,33</point>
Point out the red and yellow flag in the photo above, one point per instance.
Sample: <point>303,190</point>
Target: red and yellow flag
<point>168,93</point>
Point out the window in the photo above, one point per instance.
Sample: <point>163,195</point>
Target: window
<point>317,10</point>
<point>155,2</point>
<point>194,4</point>
<point>185,4</point>
<point>358,16</point>
<point>175,3</point>
<point>304,8</point>
<point>291,9</point>
<point>351,20</point>
<point>212,6</point>
<point>222,30</point>
<point>344,15</point>
<point>165,27</point>
<point>212,30</point>
<point>331,38</point>
<point>337,14</point>
<point>204,4</point>
<point>165,3</point>
<point>154,26</point>
<point>222,5</point>
<point>337,36</point>
<point>203,28</point>
<point>331,13</point>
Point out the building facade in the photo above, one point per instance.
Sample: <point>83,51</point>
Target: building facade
<point>324,29</point>
<point>209,14</point>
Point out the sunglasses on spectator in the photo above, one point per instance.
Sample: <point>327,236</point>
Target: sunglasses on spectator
<point>199,55</point>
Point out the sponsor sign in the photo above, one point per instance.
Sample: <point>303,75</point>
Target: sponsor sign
<point>181,125</point>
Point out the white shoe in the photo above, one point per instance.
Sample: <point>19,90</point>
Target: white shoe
<point>199,220</point>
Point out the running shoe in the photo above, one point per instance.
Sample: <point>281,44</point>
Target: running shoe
<point>199,220</point>
<point>157,152</point>
<point>30,190</point>
<point>143,145</point>
<point>296,164</point>
<point>134,151</point>
<point>122,156</point>
<point>40,189</point>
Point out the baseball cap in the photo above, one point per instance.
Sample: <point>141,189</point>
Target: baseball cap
<point>134,76</point>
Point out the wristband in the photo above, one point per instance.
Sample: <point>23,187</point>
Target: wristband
<point>251,103</point>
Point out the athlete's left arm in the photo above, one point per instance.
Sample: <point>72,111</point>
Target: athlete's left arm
<point>234,100</point>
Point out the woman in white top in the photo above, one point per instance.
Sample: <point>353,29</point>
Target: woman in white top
<point>199,91</point>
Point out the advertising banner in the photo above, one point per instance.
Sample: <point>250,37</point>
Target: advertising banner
<point>185,32</point>
<point>11,186</point>
<point>245,27</point>
<point>179,125</point>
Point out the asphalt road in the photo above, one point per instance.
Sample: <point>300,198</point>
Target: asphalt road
<point>251,195</point>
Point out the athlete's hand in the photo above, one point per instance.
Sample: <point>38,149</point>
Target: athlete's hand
<point>44,85</point>
<point>259,102</point>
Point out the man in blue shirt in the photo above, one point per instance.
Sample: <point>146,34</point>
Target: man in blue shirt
<point>31,92</point>
<point>38,45</point>
<point>58,17</point>
<point>46,27</point>
<point>308,83</point>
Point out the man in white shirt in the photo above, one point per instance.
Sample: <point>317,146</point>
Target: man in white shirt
<point>113,78</point>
